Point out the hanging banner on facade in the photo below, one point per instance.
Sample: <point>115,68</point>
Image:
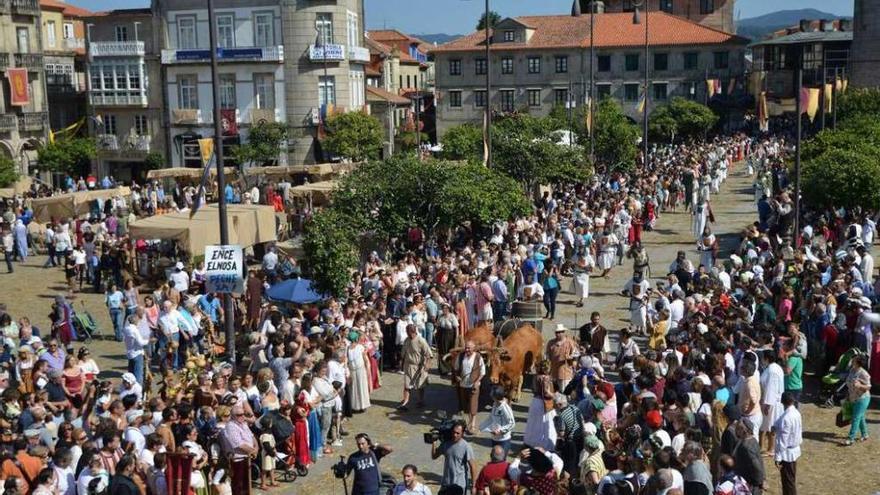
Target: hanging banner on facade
<point>227,121</point>
<point>827,98</point>
<point>18,87</point>
<point>223,267</point>
<point>206,149</point>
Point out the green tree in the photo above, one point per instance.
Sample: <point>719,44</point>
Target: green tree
<point>154,160</point>
<point>616,136</point>
<point>472,193</point>
<point>858,101</point>
<point>843,177</point>
<point>330,251</point>
<point>662,125</point>
<point>354,135</point>
<point>525,149</point>
<point>263,145</point>
<point>407,142</point>
<point>8,172</point>
<point>494,19</point>
<point>463,142</point>
<point>70,156</point>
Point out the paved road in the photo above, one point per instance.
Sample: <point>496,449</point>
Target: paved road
<point>32,288</point>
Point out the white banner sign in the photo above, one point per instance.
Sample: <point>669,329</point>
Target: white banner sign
<point>224,265</point>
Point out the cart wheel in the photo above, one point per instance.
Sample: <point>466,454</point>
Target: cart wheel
<point>302,471</point>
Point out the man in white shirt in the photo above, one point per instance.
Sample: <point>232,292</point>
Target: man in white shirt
<point>180,278</point>
<point>135,341</point>
<point>789,436</point>
<point>169,322</point>
<point>866,267</point>
<point>676,309</point>
<point>133,433</point>
<point>270,261</point>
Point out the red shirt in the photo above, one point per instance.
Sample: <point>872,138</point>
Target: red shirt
<point>492,471</point>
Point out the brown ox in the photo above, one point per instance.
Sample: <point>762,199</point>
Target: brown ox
<point>514,357</point>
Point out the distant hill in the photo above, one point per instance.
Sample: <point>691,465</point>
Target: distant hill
<point>758,27</point>
<point>438,38</point>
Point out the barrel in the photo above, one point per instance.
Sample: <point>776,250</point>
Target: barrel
<point>528,310</point>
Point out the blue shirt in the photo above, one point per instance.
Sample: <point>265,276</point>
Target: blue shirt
<point>210,308</point>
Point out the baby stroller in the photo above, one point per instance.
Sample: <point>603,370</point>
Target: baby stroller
<point>832,389</point>
<point>85,325</point>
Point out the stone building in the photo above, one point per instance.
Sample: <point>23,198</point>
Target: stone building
<point>538,62</point>
<point>64,57</point>
<point>251,72</point>
<point>324,77</point>
<point>866,43</point>
<point>24,124</point>
<point>125,92</point>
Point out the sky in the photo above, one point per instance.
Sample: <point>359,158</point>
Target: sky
<point>460,16</point>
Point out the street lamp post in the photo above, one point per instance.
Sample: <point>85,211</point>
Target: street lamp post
<point>636,20</point>
<point>228,309</point>
<point>488,116</point>
<point>592,101</point>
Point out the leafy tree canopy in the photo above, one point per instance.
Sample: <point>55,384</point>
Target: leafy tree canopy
<point>494,18</point>
<point>463,142</point>
<point>858,101</point>
<point>330,250</point>
<point>616,136</point>
<point>8,171</point>
<point>69,156</point>
<point>263,144</point>
<point>846,177</point>
<point>355,136</point>
<point>681,118</point>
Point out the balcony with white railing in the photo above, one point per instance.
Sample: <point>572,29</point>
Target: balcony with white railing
<point>106,142</point>
<point>108,98</point>
<point>225,55</point>
<point>31,61</point>
<point>25,7</point>
<point>116,49</point>
<point>358,54</point>
<point>74,43</point>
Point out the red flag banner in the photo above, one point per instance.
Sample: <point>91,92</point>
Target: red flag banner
<point>18,87</point>
<point>228,122</point>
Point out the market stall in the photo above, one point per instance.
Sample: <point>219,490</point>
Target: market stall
<point>163,239</point>
<point>317,193</point>
<point>71,205</point>
<point>187,173</point>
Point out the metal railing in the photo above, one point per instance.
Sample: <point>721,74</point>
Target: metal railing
<point>8,123</point>
<point>25,7</point>
<point>33,121</point>
<point>4,61</point>
<point>32,61</point>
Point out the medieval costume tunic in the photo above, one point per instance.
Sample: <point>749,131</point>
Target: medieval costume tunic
<point>416,354</point>
<point>540,431</point>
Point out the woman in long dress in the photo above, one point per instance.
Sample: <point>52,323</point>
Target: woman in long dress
<point>360,382</point>
<point>607,248</point>
<point>540,431</point>
<point>581,279</point>
<point>701,216</point>
<point>706,246</point>
<point>308,395</point>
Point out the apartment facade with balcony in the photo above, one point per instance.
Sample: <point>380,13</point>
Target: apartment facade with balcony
<point>23,121</point>
<point>325,62</point>
<point>63,33</point>
<point>251,72</point>
<point>125,92</point>
<point>539,62</point>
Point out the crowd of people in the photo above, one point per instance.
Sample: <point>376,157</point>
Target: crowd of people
<point>707,378</point>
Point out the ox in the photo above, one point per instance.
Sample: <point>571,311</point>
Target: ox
<point>508,359</point>
<point>513,357</point>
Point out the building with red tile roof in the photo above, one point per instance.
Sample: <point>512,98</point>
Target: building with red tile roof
<point>64,60</point>
<point>538,62</point>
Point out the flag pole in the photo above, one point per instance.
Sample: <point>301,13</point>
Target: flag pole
<point>228,309</point>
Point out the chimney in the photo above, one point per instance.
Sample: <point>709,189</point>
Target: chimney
<point>804,26</point>
<point>598,6</point>
<point>845,25</point>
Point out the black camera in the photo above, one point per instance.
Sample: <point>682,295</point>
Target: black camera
<point>340,469</point>
<point>442,432</point>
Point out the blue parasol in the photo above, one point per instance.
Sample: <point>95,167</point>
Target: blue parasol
<point>296,290</point>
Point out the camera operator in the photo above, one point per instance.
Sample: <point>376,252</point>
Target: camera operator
<point>365,464</point>
<point>458,465</point>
